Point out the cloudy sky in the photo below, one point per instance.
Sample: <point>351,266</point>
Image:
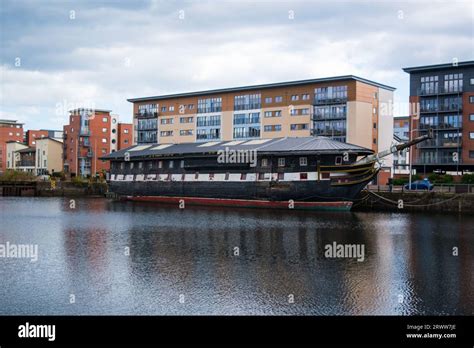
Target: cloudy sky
<point>56,54</point>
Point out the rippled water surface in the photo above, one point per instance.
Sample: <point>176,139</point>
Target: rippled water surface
<point>186,261</point>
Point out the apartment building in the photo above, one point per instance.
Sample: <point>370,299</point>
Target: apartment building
<point>45,158</point>
<point>10,130</point>
<point>401,133</point>
<point>33,134</point>
<point>90,135</point>
<point>12,154</point>
<point>346,108</point>
<point>444,94</point>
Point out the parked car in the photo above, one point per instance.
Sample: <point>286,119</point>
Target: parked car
<point>424,184</point>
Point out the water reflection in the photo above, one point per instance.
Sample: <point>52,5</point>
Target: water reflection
<point>192,255</point>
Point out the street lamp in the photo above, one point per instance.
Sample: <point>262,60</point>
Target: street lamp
<point>410,156</point>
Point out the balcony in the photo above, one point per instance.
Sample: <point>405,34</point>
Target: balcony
<point>435,161</point>
<point>328,100</point>
<point>84,132</point>
<point>146,114</point>
<point>330,116</point>
<point>442,143</point>
<point>439,91</point>
<point>25,163</point>
<point>88,154</point>
<point>442,108</point>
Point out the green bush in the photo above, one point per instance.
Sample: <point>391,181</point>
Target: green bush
<point>400,181</point>
<point>16,175</point>
<point>467,179</point>
<point>441,179</point>
<point>80,181</point>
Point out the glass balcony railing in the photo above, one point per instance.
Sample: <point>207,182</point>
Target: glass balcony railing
<point>330,100</point>
<point>439,90</point>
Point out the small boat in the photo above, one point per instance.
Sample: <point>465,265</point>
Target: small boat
<point>311,173</point>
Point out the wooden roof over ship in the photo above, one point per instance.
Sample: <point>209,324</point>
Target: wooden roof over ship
<point>300,145</point>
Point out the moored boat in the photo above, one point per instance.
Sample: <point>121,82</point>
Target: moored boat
<point>315,173</point>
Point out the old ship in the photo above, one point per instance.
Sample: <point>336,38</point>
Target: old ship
<point>290,173</point>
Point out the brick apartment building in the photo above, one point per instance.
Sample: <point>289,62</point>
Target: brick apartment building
<point>345,108</point>
<point>33,134</point>
<point>445,95</point>
<point>10,130</point>
<point>90,135</point>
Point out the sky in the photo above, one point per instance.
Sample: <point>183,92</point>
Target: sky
<point>57,55</point>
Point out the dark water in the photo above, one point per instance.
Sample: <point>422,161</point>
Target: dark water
<point>177,255</point>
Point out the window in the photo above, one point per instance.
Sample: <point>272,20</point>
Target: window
<point>293,112</point>
<point>186,119</point>
<point>338,160</point>
<point>44,165</point>
<point>104,130</point>
<point>125,131</point>
<point>171,164</point>
<point>160,164</point>
<point>185,132</point>
<point>375,125</point>
<point>429,84</point>
<point>295,97</point>
<point>278,99</point>
<point>171,108</point>
<point>268,100</point>
<point>305,97</point>
<point>181,163</point>
<point>471,135</point>
<point>104,119</point>
<point>196,175</point>
<point>374,141</point>
<point>281,162</point>
<point>303,161</point>
<point>264,162</point>
<point>243,176</point>
<point>166,133</point>
<point>104,140</point>
<point>163,109</point>
<point>277,113</point>
<point>272,128</point>
<point>247,102</point>
<point>140,165</point>
<point>453,83</point>
<point>150,164</point>
<point>303,176</point>
<point>471,99</point>
<point>227,176</point>
<point>190,106</point>
<point>300,126</point>
<point>268,114</point>
<point>132,165</point>
<point>114,131</point>
<point>281,176</point>
<point>304,111</point>
<point>471,82</point>
<point>374,110</point>
<point>167,120</point>
<point>211,176</point>
<point>104,151</point>
<point>471,154</point>
<point>333,93</point>
<point>261,176</point>
<point>209,105</point>
<point>471,117</point>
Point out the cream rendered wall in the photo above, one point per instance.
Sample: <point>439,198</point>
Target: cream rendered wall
<point>227,125</point>
<point>286,120</point>
<point>359,123</point>
<point>385,124</point>
<point>53,154</point>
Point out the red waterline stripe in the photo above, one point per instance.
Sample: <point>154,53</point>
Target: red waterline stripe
<point>343,205</point>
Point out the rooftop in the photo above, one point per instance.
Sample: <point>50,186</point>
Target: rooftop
<point>15,122</point>
<point>88,109</point>
<point>469,63</point>
<point>322,145</point>
<point>265,86</point>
